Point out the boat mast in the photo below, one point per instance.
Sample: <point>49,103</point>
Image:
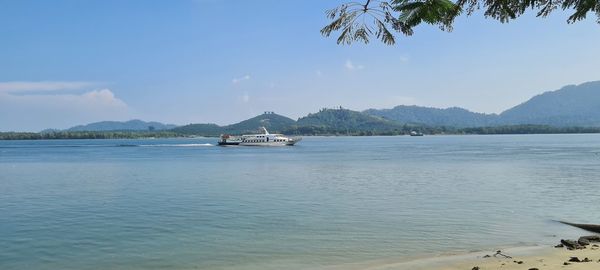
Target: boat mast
<point>265,130</point>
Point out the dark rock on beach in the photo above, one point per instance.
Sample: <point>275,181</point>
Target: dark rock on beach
<point>591,238</point>
<point>583,241</point>
<point>571,244</point>
<point>576,259</point>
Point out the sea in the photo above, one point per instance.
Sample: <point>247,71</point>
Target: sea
<point>328,202</point>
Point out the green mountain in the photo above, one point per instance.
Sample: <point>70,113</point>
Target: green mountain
<point>343,121</point>
<point>324,122</point>
<point>573,105</point>
<point>452,117</point>
<point>272,121</point>
<point>210,130</point>
<point>136,125</point>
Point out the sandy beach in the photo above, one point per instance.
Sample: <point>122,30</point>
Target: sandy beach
<point>549,258</point>
<point>526,258</point>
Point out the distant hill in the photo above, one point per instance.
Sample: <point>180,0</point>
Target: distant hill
<point>453,117</point>
<point>199,129</point>
<point>136,125</point>
<point>573,105</point>
<point>272,121</point>
<point>324,122</point>
<point>344,121</point>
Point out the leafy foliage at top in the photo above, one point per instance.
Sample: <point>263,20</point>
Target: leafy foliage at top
<point>358,22</point>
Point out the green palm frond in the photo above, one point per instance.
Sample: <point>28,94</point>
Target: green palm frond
<point>346,21</point>
<point>582,7</point>
<point>434,12</point>
<point>404,15</point>
<point>384,34</point>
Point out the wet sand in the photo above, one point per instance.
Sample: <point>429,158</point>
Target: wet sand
<point>528,258</point>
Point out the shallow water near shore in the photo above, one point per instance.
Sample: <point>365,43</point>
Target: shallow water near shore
<point>187,204</point>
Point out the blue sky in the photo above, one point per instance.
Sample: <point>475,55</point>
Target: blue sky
<point>69,62</point>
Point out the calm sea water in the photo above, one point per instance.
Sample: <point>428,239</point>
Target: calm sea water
<point>185,204</point>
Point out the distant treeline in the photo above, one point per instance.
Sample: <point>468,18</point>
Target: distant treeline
<point>305,131</point>
<point>401,130</point>
<point>405,130</point>
<point>86,135</point>
<point>529,129</point>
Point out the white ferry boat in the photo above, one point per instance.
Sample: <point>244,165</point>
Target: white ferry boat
<point>416,133</point>
<point>265,139</point>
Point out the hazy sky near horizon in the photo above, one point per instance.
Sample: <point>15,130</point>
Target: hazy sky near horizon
<point>69,62</point>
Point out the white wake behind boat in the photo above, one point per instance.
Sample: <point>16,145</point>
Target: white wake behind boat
<point>265,139</point>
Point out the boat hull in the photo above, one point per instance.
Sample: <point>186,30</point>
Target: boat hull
<point>228,143</point>
<point>268,144</point>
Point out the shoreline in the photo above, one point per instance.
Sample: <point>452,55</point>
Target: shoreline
<point>134,136</point>
<point>528,257</point>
